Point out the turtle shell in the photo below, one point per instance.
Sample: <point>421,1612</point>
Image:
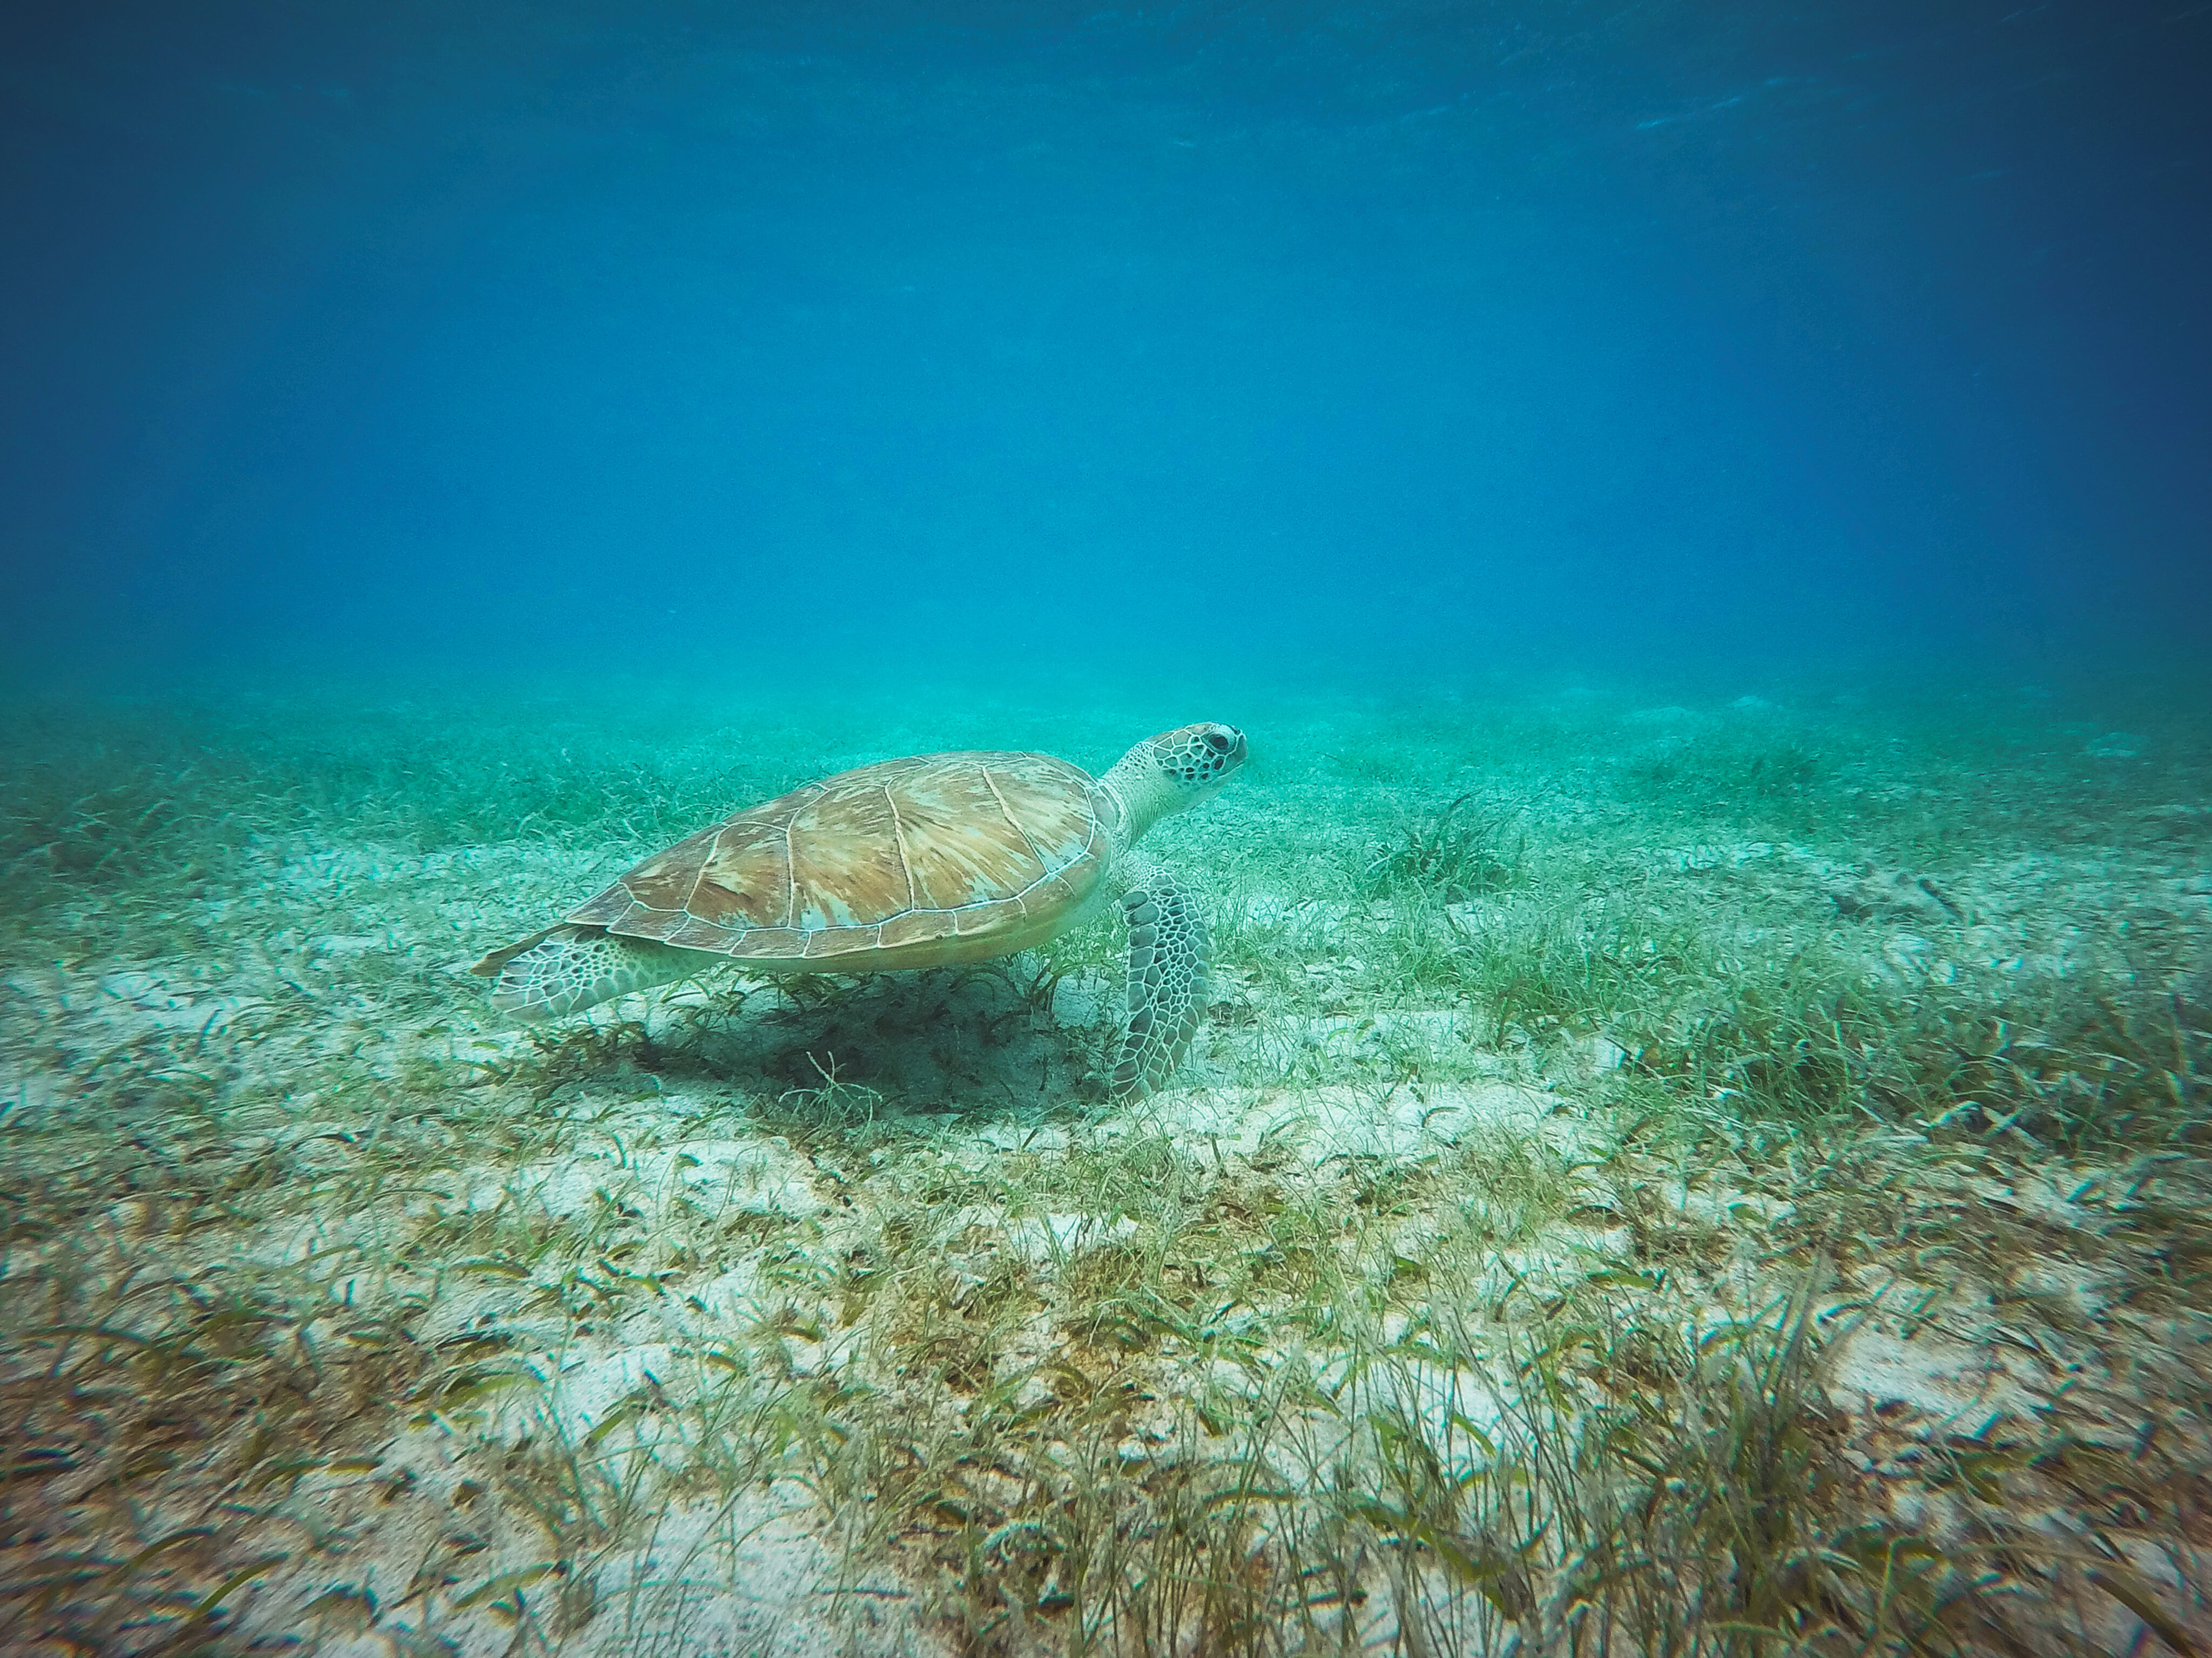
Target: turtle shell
<point>911,863</point>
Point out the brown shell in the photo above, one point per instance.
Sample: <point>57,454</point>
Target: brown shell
<point>911,863</point>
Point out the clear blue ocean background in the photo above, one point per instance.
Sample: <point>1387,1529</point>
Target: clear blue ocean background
<point>1703,515</point>
<point>833,345</point>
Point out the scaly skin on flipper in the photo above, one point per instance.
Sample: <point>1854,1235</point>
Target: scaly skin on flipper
<point>929,861</point>
<point>570,968</point>
<point>1170,954</point>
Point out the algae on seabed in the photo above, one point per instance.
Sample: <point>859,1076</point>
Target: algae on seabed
<point>1657,1176</point>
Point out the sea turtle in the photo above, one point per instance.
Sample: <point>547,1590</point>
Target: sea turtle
<point>921,862</point>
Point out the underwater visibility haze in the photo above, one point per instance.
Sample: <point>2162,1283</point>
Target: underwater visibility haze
<point>602,596</point>
<point>675,333</point>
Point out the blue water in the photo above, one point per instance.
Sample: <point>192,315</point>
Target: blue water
<point>1704,514</point>
<point>865,338</point>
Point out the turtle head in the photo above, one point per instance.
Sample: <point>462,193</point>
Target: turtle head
<point>1196,760</point>
<point>1175,770</point>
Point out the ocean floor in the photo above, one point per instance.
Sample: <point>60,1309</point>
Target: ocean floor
<point>1703,1175</point>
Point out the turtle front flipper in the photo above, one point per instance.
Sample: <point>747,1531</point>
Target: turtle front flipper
<point>1169,952</point>
<point>565,969</point>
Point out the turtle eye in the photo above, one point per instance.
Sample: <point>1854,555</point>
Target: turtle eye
<point>1216,741</point>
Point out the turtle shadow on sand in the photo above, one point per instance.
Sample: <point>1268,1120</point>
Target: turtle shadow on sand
<point>994,1036</point>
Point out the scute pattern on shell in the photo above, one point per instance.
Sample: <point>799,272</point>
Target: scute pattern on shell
<point>944,855</point>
